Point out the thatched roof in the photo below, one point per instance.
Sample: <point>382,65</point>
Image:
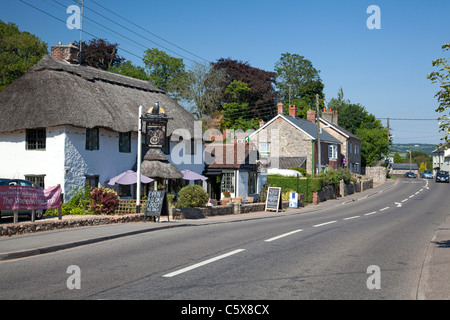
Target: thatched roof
<point>156,165</point>
<point>54,92</point>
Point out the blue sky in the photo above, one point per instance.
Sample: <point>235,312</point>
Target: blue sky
<point>382,69</point>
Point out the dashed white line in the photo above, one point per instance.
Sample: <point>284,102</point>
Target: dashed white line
<point>283,235</point>
<point>384,209</point>
<point>370,213</point>
<point>404,200</point>
<point>175,273</point>
<point>411,196</point>
<point>325,223</point>
<point>349,218</point>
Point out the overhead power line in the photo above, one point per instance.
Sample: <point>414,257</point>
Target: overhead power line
<point>153,34</point>
<point>417,119</point>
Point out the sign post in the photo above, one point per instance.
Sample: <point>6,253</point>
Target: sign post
<point>273,199</point>
<point>157,204</point>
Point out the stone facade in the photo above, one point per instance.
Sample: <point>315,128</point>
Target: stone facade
<point>285,140</point>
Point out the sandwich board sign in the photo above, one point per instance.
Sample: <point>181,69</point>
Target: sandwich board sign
<point>273,199</point>
<point>157,204</point>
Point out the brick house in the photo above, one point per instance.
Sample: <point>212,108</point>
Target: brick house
<point>287,141</point>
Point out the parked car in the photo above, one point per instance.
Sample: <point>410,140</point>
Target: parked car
<point>442,176</point>
<point>20,182</point>
<point>410,175</point>
<point>427,174</point>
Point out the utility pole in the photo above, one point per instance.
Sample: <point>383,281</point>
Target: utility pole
<point>410,157</point>
<point>319,159</point>
<point>81,30</point>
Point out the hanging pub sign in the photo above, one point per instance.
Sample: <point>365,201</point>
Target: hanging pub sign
<point>155,127</point>
<point>155,135</point>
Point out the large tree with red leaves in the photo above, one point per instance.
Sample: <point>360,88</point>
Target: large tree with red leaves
<point>262,96</point>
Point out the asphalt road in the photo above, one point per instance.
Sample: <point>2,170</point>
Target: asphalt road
<point>373,248</point>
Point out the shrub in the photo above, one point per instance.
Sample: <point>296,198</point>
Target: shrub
<point>77,205</point>
<point>192,196</point>
<point>104,201</point>
<point>306,186</point>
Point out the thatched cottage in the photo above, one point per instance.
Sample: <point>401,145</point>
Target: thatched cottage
<point>62,123</point>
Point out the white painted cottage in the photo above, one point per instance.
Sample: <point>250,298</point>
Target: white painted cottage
<point>62,123</point>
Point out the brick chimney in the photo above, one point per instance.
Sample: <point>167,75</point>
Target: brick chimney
<point>311,115</point>
<point>280,106</point>
<point>67,53</point>
<point>293,111</point>
<point>330,115</point>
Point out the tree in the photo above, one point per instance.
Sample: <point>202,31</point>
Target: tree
<point>128,69</point>
<point>234,112</point>
<point>298,82</point>
<point>398,158</point>
<point>99,53</point>
<point>166,72</point>
<point>263,96</point>
<point>204,86</point>
<point>443,95</point>
<point>374,145</point>
<point>19,50</point>
<point>355,118</point>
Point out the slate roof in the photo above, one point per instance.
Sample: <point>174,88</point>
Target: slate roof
<point>306,126</point>
<point>404,166</point>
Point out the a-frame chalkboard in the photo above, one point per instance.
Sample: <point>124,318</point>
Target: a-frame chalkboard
<point>273,199</point>
<point>157,204</point>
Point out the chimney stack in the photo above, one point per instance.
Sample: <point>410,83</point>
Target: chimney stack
<point>280,106</point>
<point>330,116</point>
<point>311,115</point>
<point>261,123</point>
<point>68,53</point>
<point>293,111</point>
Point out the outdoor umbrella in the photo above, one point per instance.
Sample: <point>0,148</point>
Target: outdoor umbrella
<point>191,175</point>
<point>128,177</point>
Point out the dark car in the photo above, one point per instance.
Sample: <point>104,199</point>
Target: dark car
<point>442,176</point>
<point>25,183</point>
<point>409,175</point>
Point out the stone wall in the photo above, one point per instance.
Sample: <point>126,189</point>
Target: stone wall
<point>377,174</point>
<point>231,208</point>
<point>67,222</point>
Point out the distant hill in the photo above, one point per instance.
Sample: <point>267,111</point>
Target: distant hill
<point>404,148</point>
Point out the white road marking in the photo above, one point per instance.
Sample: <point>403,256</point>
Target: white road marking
<point>384,209</point>
<point>399,205</point>
<point>283,235</point>
<point>404,200</point>
<point>370,213</point>
<point>411,196</point>
<point>175,273</point>
<point>322,224</point>
<point>349,218</point>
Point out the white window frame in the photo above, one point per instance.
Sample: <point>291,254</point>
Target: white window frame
<point>264,147</point>
<point>332,152</point>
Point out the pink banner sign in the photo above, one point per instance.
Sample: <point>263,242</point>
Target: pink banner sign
<point>29,198</point>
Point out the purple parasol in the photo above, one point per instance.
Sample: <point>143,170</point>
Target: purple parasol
<point>128,177</point>
<point>191,175</point>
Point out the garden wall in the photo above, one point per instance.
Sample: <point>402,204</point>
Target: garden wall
<point>231,208</point>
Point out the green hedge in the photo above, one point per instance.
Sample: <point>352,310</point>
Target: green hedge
<point>306,186</point>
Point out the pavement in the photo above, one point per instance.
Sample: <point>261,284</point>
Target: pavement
<point>434,283</point>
